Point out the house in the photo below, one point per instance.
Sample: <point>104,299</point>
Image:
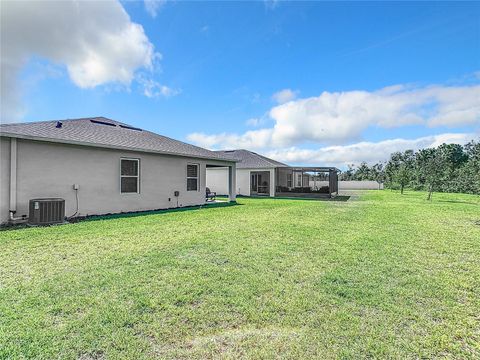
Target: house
<point>257,175</point>
<point>101,166</point>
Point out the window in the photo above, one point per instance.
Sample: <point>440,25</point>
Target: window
<point>192,177</point>
<point>298,176</point>
<point>129,176</point>
<point>289,180</point>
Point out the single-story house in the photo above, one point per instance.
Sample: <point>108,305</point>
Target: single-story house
<point>257,175</point>
<point>101,166</point>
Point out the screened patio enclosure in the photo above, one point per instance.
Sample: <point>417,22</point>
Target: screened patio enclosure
<point>260,183</point>
<point>306,181</point>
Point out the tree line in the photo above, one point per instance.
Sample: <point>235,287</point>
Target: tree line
<point>446,168</point>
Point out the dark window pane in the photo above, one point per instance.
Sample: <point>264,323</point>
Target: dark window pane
<point>129,185</point>
<point>192,170</point>
<point>130,167</point>
<point>192,185</point>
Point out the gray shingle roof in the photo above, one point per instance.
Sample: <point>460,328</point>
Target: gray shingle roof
<point>103,132</point>
<point>251,160</point>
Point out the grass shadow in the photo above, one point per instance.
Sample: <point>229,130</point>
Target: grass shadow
<point>159,211</point>
<point>458,202</point>
<point>123,215</point>
<point>342,198</point>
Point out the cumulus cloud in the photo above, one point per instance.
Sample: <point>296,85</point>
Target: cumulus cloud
<point>371,152</point>
<point>284,96</point>
<point>153,89</point>
<point>154,6</point>
<point>342,117</point>
<point>250,140</point>
<point>253,122</point>
<point>95,40</point>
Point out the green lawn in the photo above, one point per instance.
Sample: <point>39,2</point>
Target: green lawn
<point>384,275</point>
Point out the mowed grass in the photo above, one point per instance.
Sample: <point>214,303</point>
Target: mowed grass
<point>384,275</point>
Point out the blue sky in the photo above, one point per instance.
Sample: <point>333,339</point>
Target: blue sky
<point>215,67</point>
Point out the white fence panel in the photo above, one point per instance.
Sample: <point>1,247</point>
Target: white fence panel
<point>350,185</point>
<point>359,185</point>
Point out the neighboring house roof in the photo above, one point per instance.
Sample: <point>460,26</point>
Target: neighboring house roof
<point>108,133</point>
<point>251,160</point>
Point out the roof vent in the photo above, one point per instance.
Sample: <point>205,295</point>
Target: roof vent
<point>130,127</point>
<point>58,125</point>
<point>102,122</point>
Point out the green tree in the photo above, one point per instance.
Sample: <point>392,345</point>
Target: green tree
<point>448,168</point>
<point>377,173</point>
<point>429,163</point>
<point>452,158</point>
<point>469,174</point>
<point>348,174</point>
<point>363,172</point>
<point>400,168</point>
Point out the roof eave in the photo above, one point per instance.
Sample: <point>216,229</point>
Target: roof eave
<point>106,146</point>
<point>314,168</point>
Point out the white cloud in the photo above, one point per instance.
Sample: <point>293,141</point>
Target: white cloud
<point>95,40</point>
<point>284,96</point>
<point>249,140</point>
<point>370,152</point>
<point>341,117</point>
<point>154,6</point>
<point>254,122</point>
<point>271,4</point>
<point>456,105</point>
<point>153,89</point>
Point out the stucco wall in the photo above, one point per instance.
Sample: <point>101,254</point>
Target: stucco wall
<point>49,170</point>
<point>243,182</point>
<point>217,177</point>
<point>217,180</point>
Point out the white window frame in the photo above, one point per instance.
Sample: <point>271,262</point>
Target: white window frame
<point>130,176</point>
<point>191,177</point>
<point>298,179</point>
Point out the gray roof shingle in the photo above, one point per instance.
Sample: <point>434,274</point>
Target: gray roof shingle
<point>251,160</point>
<point>104,132</point>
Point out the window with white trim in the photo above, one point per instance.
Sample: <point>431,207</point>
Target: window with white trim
<point>192,177</point>
<point>289,180</point>
<point>298,179</point>
<point>129,176</point>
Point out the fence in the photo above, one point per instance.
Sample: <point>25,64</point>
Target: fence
<point>351,185</point>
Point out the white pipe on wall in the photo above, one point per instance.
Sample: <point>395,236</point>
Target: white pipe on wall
<point>13,182</point>
<point>13,175</point>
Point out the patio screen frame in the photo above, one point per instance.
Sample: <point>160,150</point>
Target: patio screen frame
<point>291,171</point>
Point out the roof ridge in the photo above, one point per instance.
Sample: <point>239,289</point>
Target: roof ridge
<point>53,121</point>
<point>271,161</point>
<point>237,153</point>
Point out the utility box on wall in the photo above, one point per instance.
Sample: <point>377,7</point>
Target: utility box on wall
<point>46,211</point>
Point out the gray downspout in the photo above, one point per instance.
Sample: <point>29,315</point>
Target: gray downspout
<point>13,180</point>
<point>13,175</point>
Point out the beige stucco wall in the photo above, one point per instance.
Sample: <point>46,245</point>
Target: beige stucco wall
<point>217,177</point>
<point>217,180</point>
<point>50,170</point>
<point>243,182</point>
